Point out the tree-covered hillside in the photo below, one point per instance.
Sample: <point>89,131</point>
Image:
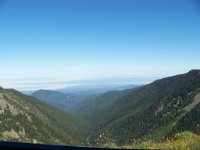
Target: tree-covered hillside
<point>155,111</point>
<point>24,118</point>
<point>95,106</point>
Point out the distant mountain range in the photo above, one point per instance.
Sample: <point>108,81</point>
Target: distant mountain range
<point>68,98</point>
<point>58,99</point>
<point>84,88</point>
<point>95,89</point>
<point>156,111</point>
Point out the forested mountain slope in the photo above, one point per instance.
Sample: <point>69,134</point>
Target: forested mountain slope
<point>95,106</point>
<point>24,118</point>
<point>154,111</point>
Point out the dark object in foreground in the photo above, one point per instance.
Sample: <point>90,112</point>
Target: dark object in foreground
<point>29,146</point>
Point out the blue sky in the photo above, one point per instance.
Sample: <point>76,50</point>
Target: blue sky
<point>87,39</point>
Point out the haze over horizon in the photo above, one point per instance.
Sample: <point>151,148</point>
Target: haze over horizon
<point>55,42</point>
<point>29,84</point>
<point>55,84</point>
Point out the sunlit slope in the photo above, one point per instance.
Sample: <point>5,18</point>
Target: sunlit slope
<point>24,118</point>
<point>155,111</point>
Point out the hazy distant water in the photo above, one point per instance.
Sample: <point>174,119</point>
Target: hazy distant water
<point>33,84</point>
<point>44,83</point>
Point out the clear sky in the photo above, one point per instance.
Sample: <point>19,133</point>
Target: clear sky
<point>85,39</point>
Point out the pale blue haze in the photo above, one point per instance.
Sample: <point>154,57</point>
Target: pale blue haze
<point>64,40</point>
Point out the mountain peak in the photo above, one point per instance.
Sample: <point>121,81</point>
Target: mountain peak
<point>194,71</point>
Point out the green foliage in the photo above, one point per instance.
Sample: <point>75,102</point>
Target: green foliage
<point>182,141</point>
<point>190,122</point>
<point>28,119</point>
<point>154,111</point>
<point>110,145</point>
<point>93,108</point>
<point>148,116</point>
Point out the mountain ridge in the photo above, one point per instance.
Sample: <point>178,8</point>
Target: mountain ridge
<point>63,101</point>
<point>156,111</point>
<point>149,112</point>
<point>27,119</point>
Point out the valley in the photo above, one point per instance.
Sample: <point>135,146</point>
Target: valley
<point>145,115</point>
